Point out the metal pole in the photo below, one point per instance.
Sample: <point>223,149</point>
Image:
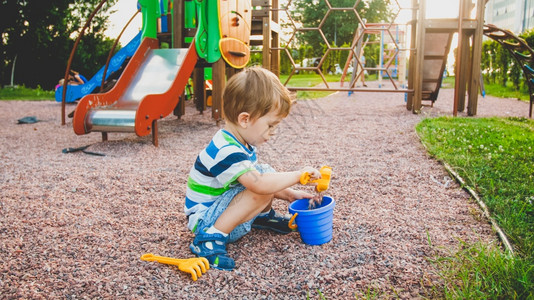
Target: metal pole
<point>110,54</point>
<point>66,77</point>
<point>13,70</point>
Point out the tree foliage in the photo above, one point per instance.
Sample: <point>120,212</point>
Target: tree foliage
<point>41,34</point>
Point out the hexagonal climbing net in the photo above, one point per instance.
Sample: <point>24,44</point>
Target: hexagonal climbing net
<point>390,37</point>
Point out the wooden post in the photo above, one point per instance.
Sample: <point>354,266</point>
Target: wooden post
<point>413,55</point>
<point>178,14</point>
<point>464,74</point>
<point>266,62</point>
<point>179,110</point>
<point>199,89</point>
<point>275,41</point>
<point>219,81</point>
<point>231,72</point>
<point>475,66</point>
<point>466,59</point>
<point>359,52</point>
<point>420,55</point>
<point>155,133</point>
<point>459,62</point>
<point>178,41</point>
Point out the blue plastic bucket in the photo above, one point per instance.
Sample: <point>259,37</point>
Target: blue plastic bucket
<point>314,225</point>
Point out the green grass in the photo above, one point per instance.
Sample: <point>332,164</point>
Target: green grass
<point>509,91</point>
<point>482,271</point>
<point>496,90</point>
<point>310,80</point>
<point>495,156</point>
<point>23,93</point>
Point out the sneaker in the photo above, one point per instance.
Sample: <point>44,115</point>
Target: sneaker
<point>272,221</point>
<point>216,256</point>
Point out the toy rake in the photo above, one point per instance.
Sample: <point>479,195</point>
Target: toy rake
<point>194,266</point>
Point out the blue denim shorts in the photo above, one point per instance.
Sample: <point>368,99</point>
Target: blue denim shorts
<point>210,216</point>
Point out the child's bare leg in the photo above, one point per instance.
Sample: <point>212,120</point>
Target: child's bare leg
<point>245,206</point>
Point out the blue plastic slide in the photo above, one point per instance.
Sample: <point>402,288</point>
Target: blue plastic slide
<point>75,92</point>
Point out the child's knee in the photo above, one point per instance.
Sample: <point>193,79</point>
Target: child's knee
<point>258,201</point>
<point>253,200</point>
<point>263,200</point>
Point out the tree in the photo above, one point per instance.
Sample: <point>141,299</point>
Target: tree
<point>340,25</point>
<point>40,34</point>
<point>503,58</point>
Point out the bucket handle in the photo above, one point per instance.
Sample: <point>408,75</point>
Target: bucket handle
<point>291,224</point>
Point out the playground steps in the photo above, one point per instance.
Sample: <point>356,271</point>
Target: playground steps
<point>436,50</point>
<point>438,34</point>
<point>260,16</point>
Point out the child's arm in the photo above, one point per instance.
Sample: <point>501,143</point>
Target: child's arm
<point>271,183</point>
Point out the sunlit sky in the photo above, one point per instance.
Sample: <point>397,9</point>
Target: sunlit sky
<point>125,9</point>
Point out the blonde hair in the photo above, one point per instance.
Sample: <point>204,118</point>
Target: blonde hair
<point>256,91</point>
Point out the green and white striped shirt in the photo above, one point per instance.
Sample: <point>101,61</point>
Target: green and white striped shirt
<point>216,170</point>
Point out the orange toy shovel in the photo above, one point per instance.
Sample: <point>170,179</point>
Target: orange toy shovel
<point>195,265</point>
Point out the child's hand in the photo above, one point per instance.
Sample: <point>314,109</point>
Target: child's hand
<point>314,173</point>
<point>315,201</point>
<point>293,195</point>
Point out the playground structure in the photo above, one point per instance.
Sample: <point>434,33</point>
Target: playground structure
<point>429,45</point>
<point>392,59</point>
<point>151,84</point>
<point>212,34</point>
<point>425,33</point>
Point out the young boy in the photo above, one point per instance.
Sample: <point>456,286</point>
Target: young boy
<point>227,191</point>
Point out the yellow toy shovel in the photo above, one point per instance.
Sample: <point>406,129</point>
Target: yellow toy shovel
<point>322,183</point>
<point>195,265</point>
